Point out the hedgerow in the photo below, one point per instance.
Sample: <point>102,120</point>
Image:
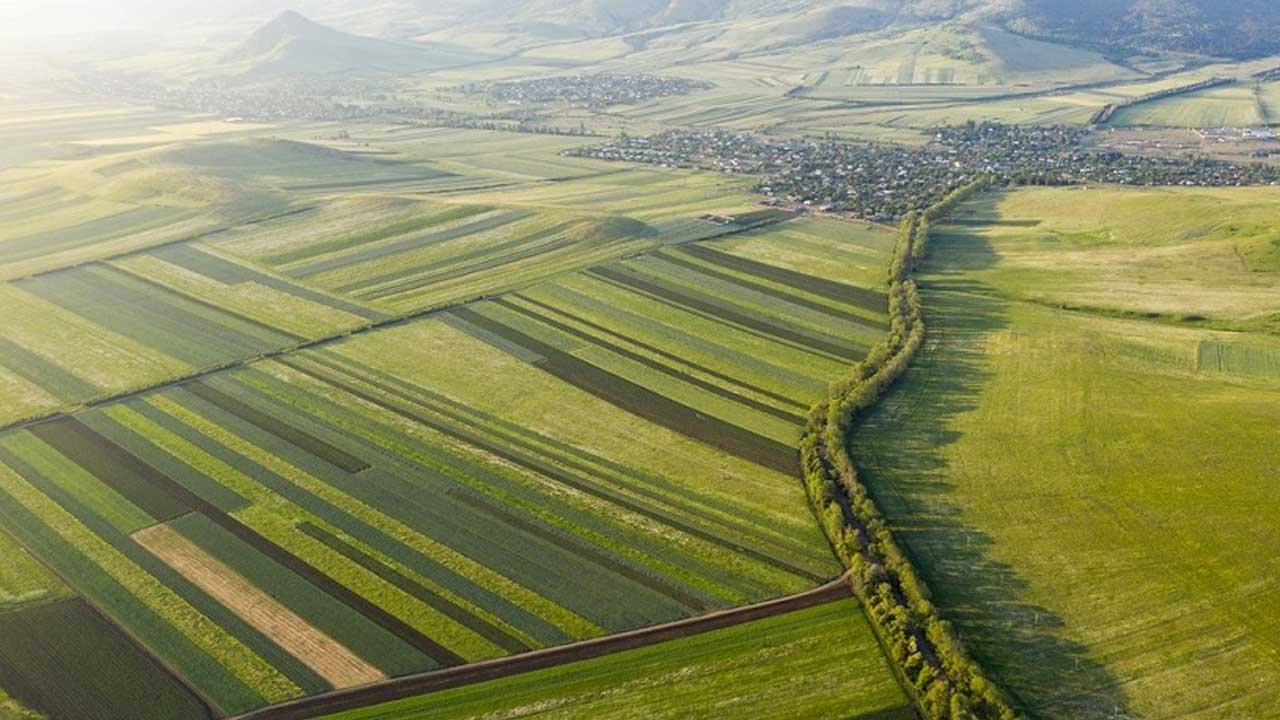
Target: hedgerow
<point>945,682</point>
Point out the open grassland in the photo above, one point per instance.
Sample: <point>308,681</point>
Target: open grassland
<point>600,452</point>
<point>813,663</point>
<point>1076,487</point>
<point>1269,100</point>
<point>965,59</point>
<point>1203,256</point>
<point>1235,105</point>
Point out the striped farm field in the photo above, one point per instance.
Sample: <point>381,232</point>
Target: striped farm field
<point>419,255</point>
<point>603,451</point>
<point>814,663</point>
<point>74,336</point>
<point>11,709</point>
<point>65,660</point>
<point>23,581</point>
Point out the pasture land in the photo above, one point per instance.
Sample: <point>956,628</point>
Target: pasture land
<point>1235,105</point>
<point>1269,100</point>
<point>1179,255</point>
<point>820,662</point>
<point>1076,485</point>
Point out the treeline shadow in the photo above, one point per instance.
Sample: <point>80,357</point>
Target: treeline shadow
<point>900,449</point>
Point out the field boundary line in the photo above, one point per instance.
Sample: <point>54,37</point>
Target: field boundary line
<point>212,709</point>
<point>385,323</point>
<point>434,681</point>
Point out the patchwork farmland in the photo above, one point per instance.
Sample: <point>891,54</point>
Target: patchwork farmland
<point>823,651</point>
<point>312,452</point>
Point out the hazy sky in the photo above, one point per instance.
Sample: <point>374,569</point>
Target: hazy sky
<point>44,17</point>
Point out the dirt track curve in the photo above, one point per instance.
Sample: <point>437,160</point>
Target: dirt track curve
<point>420,684</point>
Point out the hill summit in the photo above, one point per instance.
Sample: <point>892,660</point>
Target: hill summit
<point>292,44</point>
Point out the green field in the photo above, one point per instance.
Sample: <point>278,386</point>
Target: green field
<point>1098,469</point>
<point>23,581</point>
<point>55,658</point>
<point>601,445</point>
<point>287,265</point>
<point>1231,106</point>
<point>815,663</point>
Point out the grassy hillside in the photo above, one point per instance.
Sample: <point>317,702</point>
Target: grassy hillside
<point>1076,486</point>
<point>292,45</point>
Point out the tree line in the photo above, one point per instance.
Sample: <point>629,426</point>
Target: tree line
<point>929,657</point>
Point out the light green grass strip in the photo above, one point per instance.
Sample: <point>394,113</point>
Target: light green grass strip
<point>241,661</point>
<point>79,483</point>
<point>429,547</point>
<point>816,663</point>
<point>278,519</point>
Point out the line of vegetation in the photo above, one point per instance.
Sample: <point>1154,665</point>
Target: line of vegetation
<point>944,681</point>
<point>1104,115</point>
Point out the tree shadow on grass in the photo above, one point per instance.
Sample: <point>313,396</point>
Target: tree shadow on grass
<point>900,447</point>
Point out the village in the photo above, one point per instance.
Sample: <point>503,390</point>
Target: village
<point>883,182</point>
<point>593,91</point>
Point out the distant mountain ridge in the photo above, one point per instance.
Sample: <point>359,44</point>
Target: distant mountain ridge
<point>1228,28</point>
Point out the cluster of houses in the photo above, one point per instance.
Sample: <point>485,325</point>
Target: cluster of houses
<point>595,91</point>
<point>882,182</point>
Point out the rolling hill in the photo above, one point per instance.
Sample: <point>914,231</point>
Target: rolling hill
<point>292,45</point>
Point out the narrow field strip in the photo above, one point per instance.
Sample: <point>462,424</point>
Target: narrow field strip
<point>321,653</point>
<point>366,254</point>
<point>581,473</point>
<point>233,675</point>
<point>692,300</point>
<point>664,354</point>
<point>644,403</point>
<point>459,614</point>
<point>310,708</point>
<point>611,347</point>
<point>418,541</point>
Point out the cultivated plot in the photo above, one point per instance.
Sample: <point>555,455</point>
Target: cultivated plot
<point>819,662</point>
<point>606,451</point>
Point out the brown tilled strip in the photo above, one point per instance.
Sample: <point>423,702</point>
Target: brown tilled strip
<point>327,657</point>
<point>414,685</point>
<point>323,582</point>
